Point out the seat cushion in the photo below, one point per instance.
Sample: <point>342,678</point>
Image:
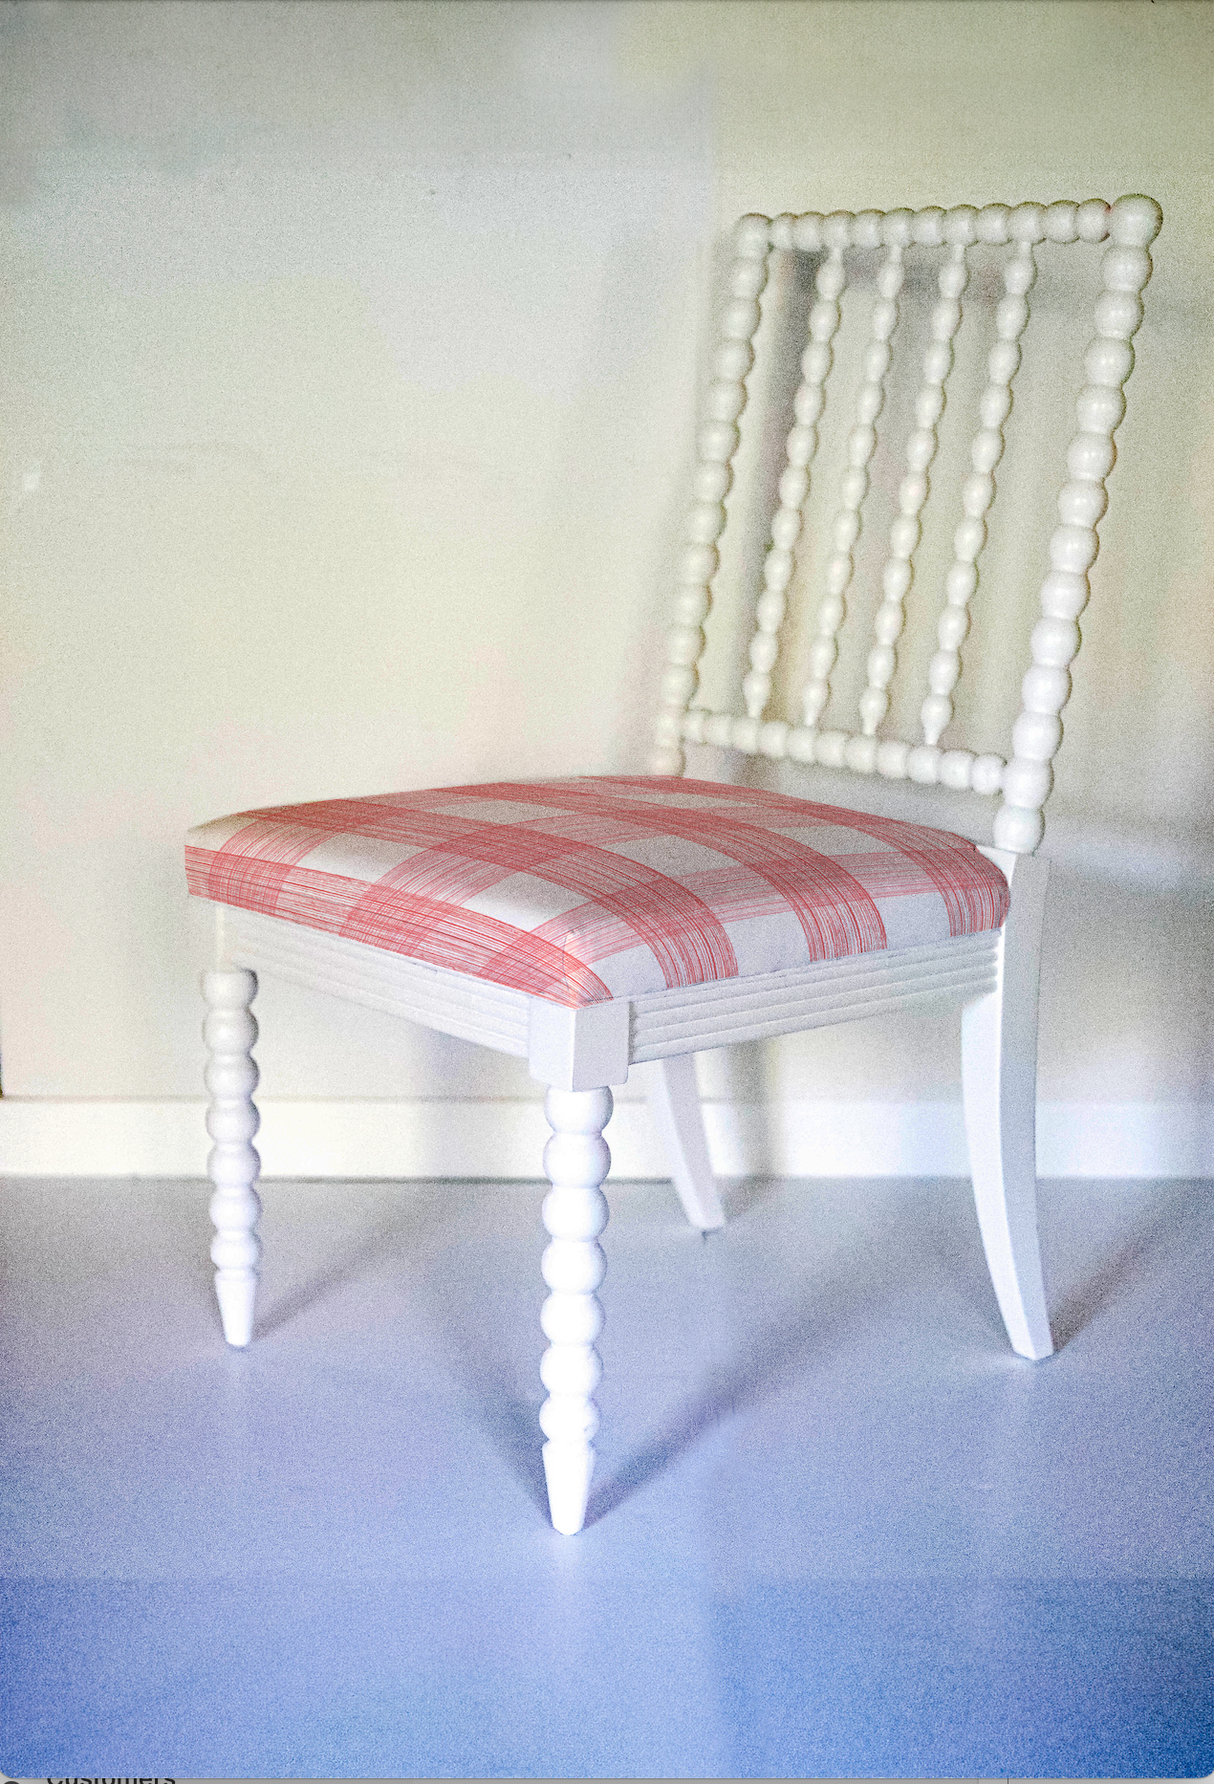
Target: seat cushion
<point>587,889</point>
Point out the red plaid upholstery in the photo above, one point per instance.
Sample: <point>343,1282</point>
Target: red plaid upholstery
<point>589,889</point>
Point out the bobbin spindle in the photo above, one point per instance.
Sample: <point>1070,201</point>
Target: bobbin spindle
<point>716,445</point>
<point>978,491</point>
<point>921,448</point>
<point>800,448</point>
<point>853,485</point>
<point>1132,225</point>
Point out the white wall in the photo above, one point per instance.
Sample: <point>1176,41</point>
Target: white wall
<point>347,383</point>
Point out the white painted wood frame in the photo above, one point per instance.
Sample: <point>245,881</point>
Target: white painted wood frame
<point>581,1053</point>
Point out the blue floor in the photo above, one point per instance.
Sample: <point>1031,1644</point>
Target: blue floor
<point>837,1528</point>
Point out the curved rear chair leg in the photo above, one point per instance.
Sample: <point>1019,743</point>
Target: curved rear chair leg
<point>999,1085</point>
<point>230,1030</point>
<point>674,1102</point>
<point>576,1160</point>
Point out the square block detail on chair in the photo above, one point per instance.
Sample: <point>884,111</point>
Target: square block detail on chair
<point>602,925</point>
<point>584,890</point>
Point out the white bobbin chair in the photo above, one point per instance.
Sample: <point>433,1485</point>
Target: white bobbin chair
<point>595,926</point>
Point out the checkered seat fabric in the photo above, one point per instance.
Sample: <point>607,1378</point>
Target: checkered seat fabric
<point>587,889</point>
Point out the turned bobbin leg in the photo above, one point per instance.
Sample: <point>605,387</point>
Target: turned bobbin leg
<point>232,1120</point>
<point>576,1160</point>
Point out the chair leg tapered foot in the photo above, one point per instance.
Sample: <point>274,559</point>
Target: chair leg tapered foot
<point>232,1120</point>
<point>236,1296</point>
<point>567,1470</point>
<point>999,1118</point>
<point>576,1160</point>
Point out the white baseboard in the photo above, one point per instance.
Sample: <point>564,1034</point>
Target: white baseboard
<point>422,1139</point>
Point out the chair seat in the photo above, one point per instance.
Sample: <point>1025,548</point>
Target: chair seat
<point>599,887</point>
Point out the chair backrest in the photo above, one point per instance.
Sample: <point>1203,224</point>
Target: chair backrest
<point>878,248</point>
